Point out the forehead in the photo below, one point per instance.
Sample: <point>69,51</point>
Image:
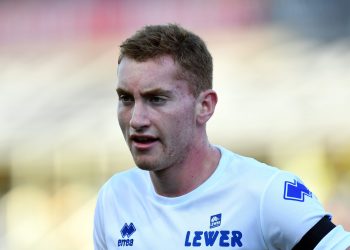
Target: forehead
<point>161,72</point>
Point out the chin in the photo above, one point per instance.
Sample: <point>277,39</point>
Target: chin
<point>145,160</point>
<point>145,164</point>
<point>149,165</point>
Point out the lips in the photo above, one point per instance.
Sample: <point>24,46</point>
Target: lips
<point>143,142</point>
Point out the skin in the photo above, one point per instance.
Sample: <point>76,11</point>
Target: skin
<point>164,125</point>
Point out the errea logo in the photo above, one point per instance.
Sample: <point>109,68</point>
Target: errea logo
<point>126,231</point>
<point>215,220</point>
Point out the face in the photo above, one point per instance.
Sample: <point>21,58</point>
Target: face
<point>156,112</point>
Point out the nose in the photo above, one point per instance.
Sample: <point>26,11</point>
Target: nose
<point>139,117</point>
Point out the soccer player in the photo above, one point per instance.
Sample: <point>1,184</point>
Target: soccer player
<point>186,193</point>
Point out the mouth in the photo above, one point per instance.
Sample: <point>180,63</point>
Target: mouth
<point>143,142</point>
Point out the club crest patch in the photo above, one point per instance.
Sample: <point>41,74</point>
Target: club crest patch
<point>215,220</point>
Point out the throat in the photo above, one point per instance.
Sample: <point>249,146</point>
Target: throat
<point>181,179</point>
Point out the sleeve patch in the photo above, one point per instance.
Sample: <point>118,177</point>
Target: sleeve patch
<point>296,191</point>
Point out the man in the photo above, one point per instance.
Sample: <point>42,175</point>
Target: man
<point>185,192</point>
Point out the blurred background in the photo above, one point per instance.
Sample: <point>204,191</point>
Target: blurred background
<point>281,70</point>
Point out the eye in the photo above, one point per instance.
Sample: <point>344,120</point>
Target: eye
<point>157,100</point>
<point>126,99</point>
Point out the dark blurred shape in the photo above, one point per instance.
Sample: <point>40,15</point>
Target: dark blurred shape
<point>321,20</point>
<point>5,180</point>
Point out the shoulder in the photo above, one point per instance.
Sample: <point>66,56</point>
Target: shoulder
<point>251,177</point>
<point>247,168</point>
<point>288,190</point>
<point>287,208</point>
<point>123,183</point>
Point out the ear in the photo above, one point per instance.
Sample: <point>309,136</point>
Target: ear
<point>206,102</point>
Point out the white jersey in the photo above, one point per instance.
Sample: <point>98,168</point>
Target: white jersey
<point>244,204</point>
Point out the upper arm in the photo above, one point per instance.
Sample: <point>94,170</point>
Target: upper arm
<point>316,234</point>
<point>336,239</point>
<point>99,231</point>
<point>288,211</point>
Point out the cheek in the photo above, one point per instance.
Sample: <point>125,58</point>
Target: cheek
<point>182,124</point>
<point>122,119</point>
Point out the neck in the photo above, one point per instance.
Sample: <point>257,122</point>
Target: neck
<point>178,180</point>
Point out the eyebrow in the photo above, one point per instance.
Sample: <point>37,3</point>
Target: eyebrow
<point>150,92</point>
<point>121,91</point>
<point>157,91</point>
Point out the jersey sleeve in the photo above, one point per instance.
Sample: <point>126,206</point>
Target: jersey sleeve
<point>98,231</point>
<point>288,211</point>
<point>337,239</point>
